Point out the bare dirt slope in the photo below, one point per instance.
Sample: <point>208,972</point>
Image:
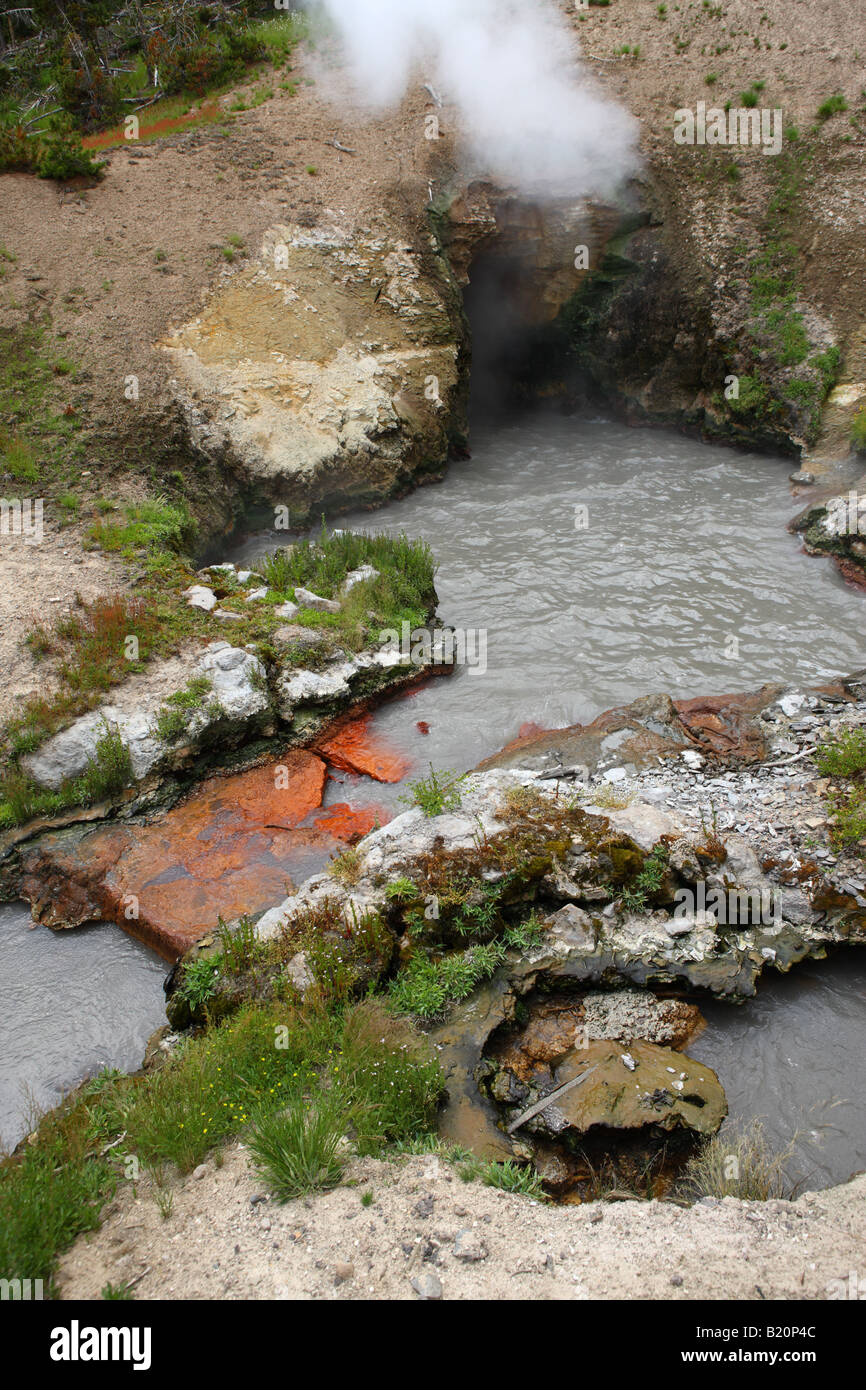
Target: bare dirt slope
<point>218,1244</point>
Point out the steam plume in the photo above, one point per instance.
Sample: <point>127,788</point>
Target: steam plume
<point>529,113</point>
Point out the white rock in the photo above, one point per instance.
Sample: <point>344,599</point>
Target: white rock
<point>359,576</point>
<point>65,756</point>
<point>287,610</point>
<point>301,686</point>
<point>238,679</point>
<point>199,596</point>
<point>255,595</point>
<point>791,704</point>
<point>307,599</point>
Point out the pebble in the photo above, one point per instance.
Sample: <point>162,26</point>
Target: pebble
<point>343,1271</point>
<point>469,1246</point>
<point>427,1286</point>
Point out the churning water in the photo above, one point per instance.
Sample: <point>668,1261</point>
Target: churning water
<point>677,576</point>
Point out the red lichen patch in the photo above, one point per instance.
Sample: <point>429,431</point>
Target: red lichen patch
<point>210,111</point>
<point>346,823</point>
<point>728,724</point>
<point>232,848</point>
<point>852,571</point>
<point>528,729</point>
<point>353,748</point>
<point>422,726</point>
<point>278,794</point>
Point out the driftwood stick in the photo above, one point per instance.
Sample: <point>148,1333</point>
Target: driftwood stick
<point>548,1100</point>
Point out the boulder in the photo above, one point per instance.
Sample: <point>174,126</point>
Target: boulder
<point>641,1087</point>
<point>64,757</point>
<point>200,596</point>
<point>358,576</point>
<point>307,599</point>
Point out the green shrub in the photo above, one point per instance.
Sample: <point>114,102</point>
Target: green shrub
<point>434,794</point>
<point>108,772</point>
<point>200,979</point>
<point>64,157</point>
<point>86,90</point>
<point>832,107</point>
<point>425,988</point>
<point>858,432</point>
<point>18,150</point>
<point>295,1149</point>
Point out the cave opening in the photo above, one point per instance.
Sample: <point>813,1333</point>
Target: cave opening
<point>518,302</point>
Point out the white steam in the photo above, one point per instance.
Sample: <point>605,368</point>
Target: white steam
<point>528,112</point>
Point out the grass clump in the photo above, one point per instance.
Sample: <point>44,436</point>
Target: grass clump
<point>402,591</point>
<point>153,525</point>
<point>295,1149</point>
<point>509,1176</point>
<point>738,1163</point>
<point>844,754</point>
<point>391,1081</point>
<point>843,757</point>
<point>434,794</point>
<point>346,867</point>
<point>173,718</point>
<point>49,1193</point>
<point>831,107</point>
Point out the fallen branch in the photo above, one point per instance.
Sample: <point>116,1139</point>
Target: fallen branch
<point>342,148</point>
<point>548,1100</point>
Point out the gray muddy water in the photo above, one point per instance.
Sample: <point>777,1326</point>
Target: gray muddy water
<point>71,1003</point>
<point>681,578</point>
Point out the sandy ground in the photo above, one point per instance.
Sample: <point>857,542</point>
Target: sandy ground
<point>476,1241</point>
<point>39,582</point>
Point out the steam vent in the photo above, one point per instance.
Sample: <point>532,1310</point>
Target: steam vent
<point>433,744</point>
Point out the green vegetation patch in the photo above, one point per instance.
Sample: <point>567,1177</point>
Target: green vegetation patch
<point>843,757</point>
